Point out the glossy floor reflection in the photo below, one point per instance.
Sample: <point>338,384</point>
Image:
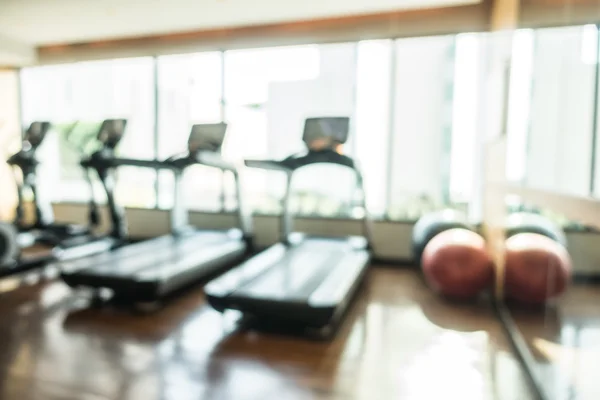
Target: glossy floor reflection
<point>398,342</point>
<point>565,341</point>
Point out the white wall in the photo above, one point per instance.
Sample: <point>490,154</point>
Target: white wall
<point>35,21</point>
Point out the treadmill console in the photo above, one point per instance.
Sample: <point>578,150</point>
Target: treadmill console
<point>35,134</point>
<point>111,132</point>
<point>207,137</point>
<point>325,132</point>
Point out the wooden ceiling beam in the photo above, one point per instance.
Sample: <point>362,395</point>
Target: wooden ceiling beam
<point>405,23</point>
<point>504,15</point>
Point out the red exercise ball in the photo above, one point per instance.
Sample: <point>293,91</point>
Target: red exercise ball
<point>456,264</point>
<point>537,268</point>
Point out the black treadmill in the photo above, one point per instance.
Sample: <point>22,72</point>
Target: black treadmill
<point>305,280</point>
<point>152,269</point>
<point>24,247</point>
<point>14,257</point>
<point>45,229</point>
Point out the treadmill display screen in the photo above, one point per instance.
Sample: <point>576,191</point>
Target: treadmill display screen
<point>334,129</point>
<point>208,137</point>
<point>36,133</point>
<point>111,131</point>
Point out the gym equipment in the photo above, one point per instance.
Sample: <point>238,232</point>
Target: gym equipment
<point>29,248</point>
<point>453,257</point>
<point>537,264</point>
<point>304,281</point>
<point>149,270</point>
<point>45,229</point>
<point>12,258</point>
<point>523,222</point>
<point>431,224</point>
<point>456,264</point>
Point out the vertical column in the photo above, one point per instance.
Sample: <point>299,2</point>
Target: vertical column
<point>492,123</point>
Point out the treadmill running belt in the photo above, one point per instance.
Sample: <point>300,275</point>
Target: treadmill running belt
<point>122,252</point>
<point>311,282</point>
<point>158,257</point>
<point>298,273</point>
<point>183,261</point>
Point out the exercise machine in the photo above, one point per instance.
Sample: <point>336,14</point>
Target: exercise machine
<point>13,258</point>
<point>303,280</point>
<point>45,229</point>
<point>22,249</point>
<point>148,271</point>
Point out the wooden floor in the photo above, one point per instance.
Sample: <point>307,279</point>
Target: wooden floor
<point>564,340</point>
<point>398,342</point>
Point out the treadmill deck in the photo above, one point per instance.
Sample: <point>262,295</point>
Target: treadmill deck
<point>148,270</point>
<point>310,282</point>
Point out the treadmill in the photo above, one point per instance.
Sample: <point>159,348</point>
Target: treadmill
<point>304,281</point>
<point>18,252</point>
<point>44,228</point>
<point>147,271</point>
<point>26,247</point>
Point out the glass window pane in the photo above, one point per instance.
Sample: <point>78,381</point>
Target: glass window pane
<point>10,129</point>
<point>465,108</point>
<point>268,94</point>
<point>519,102</point>
<point>422,125</point>
<point>373,98</point>
<point>93,91</point>
<point>190,92</point>
<point>249,72</point>
<point>561,112</point>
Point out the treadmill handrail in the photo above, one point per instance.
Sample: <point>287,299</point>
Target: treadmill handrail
<point>295,162</point>
<point>179,163</point>
<point>110,162</point>
<point>267,164</point>
<point>211,159</point>
<point>291,164</point>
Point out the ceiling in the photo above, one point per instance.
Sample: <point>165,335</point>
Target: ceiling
<point>33,23</point>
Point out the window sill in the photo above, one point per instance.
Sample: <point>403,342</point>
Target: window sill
<point>379,219</point>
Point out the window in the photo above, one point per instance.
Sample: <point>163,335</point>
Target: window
<point>519,102</point>
<point>561,112</point>
<point>9,140</point>
<point>414,104</point>
<point>190,92</point>
<point>90,92</point>
<point>372,134</point>
<point>422,124</point>
<point>268,94</point>
<point>465,108</point>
